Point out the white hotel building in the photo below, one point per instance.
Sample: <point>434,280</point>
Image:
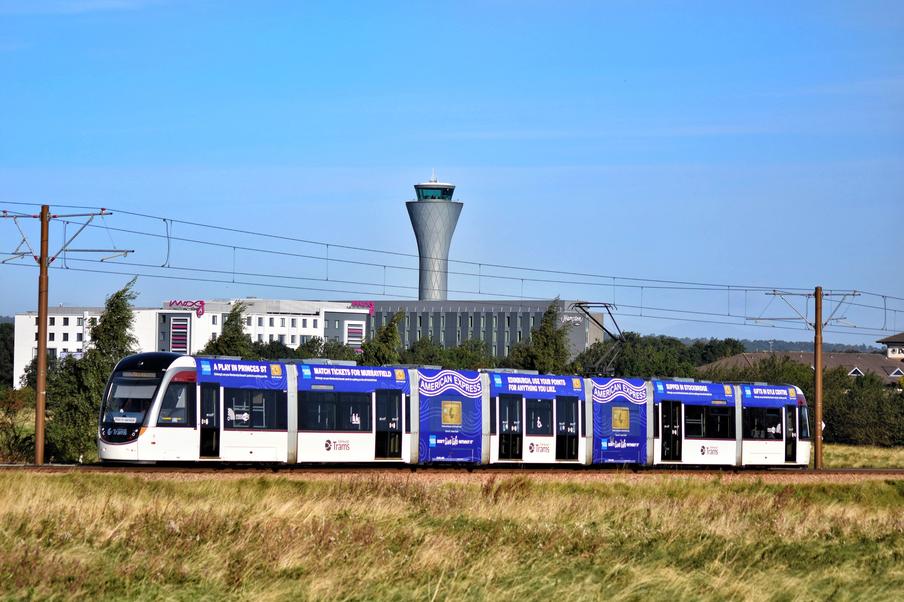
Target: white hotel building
<point>185,326</point>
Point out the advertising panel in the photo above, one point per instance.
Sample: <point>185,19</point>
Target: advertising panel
<point>619,420</point>
<point>693,393</point>
<point>358,379</point>
<point>241,374</point>
<point>450,416</point>
<point>534,386</point>
<point>768,396</point>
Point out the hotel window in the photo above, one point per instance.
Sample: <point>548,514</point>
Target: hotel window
<point>420,321</point>
<point>51,336</point>
<point>36,321</point>
<point>271,321</point>
<point>271,338</point>
<point>260,338</point>
<point>80,321</point>
<point>213,319</point>
<point>337,324</point>
<point>442,321</point>
<point>248,321</point>
<point>495,320</point>
<point>315,322</point>
<point>282,322</point>
<point>260,322</point>
<point>65,321</point>
<point>293,339</point>
<point>294,324</point>
<point>282,339</point>
<point>508,321</point>
<point>519,336</point>
<point>470,321</point>
<point>52,321</point>
<point>65,336</point>
<point>304,322</point>
<point>442,337</point>
<point>78,336</point>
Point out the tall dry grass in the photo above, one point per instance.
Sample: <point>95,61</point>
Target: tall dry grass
<point>367,537</point>
<point>837,455</point>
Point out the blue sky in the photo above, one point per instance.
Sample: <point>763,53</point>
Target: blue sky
<point>755,143</point>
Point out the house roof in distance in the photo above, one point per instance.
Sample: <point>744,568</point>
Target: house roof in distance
<point>895,339</point>
<point>856,364</point>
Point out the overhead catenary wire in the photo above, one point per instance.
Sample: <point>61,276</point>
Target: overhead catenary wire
<point>387,288</point>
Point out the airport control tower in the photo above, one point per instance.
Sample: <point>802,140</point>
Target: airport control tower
<point>433,216</point>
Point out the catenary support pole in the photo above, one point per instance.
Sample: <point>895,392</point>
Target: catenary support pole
<point>817,378</point>
<point>41,388</point>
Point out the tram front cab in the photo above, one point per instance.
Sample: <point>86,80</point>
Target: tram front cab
<point>129,397</point>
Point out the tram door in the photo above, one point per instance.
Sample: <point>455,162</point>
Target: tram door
<point>389,424</point>
<point>566,428</point>
<point>510,425</point>
<point>671,431</point>
<point>210,420</point>
<point>790,433</point>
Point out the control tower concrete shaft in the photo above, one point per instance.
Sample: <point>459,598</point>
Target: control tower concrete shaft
<point>434,216</point>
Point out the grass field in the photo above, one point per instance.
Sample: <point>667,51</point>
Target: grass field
<point>656,537</point>
<point>836,455</point>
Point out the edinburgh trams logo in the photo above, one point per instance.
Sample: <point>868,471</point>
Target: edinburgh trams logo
<point>446,380</point>
<point>618,387</point>
<point>337,445</point>
<point>538,448</point>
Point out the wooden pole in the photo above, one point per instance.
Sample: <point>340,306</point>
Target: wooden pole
<point>817,377</point>
<point>41,392</point>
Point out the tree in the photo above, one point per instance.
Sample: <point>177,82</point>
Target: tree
<point>311,348</point>
<point>272,350</point>
<point>75,387</point>
<point>547,348</point>
<point>334,350</point>
<point>7,345</point>
<point>17,441</point>
<point>425,352</point>
<point>232,340</point>
<point>384,347</point>
<point>472,354</point>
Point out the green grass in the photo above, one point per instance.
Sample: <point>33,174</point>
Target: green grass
<point>836,455</point>
<point>418,537</point>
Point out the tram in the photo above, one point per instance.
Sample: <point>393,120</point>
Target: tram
<point>166,407</point>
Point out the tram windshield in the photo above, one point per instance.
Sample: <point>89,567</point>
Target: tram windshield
<point>129,398</point>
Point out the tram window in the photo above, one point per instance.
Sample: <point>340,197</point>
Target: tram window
<point>762,423</point>
<point>322,411</point>
<point>354,412</point>
<point>656,421</point>
<point>178,405</point>
<point>539,417</point>
<point>248,409</point>
<point>804,422</point>
<point>719,423</point>
<point>709,422</point>
<point>493,404</point>
<point>693,421</point>
<point>406,401</point>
